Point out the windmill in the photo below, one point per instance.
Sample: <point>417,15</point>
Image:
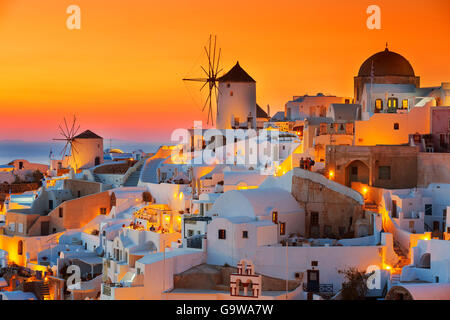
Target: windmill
<point>69,136</point>
<point>211,76</point>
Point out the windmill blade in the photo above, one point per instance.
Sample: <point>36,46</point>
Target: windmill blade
<point>67,128</point>
<point>209,60</point>
<point>203,85</point>
<point>73,156</point>
<point>214,57</point>
<point>196,79</point>
<point>62,132</point>
<point>72,145</point>
<point>73,126</point>
<point>210,111</point>
<point>207,74</point>
<point>206,102</point>
<point>63,152</point>
<point>218,62</point>
<point>76,131</point>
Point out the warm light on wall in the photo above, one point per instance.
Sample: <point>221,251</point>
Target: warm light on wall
<point>331,174</point>
<point>181,196</point>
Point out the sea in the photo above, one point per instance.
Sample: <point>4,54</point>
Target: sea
<point>39,152</point>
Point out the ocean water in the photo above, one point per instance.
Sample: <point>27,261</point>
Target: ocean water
<point>39,152</point>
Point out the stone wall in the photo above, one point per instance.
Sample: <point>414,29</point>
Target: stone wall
<point>337,211</point>
<point>433,168</point>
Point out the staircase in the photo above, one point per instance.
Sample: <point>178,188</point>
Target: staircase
<point>403,259</point>
<point>97,178</point>
<point>371,207</point>
<point>44,290</point>
<point>396,271</point>
<point>133,179</point>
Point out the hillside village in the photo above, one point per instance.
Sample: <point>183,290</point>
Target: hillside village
<point>345,183</point>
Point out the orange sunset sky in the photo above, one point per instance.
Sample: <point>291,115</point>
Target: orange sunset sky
<point>121,73</point>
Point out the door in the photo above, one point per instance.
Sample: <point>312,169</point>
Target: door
<point>314,228</point>
<point>436,226</point>
<point>394,209</point>
<point>313,281</point>
<point>97,161</point>
<point>50,204</point>
<point>45,228</point>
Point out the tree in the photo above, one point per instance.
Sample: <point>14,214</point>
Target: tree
<point>355,285</point>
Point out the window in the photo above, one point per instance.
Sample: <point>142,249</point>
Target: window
<point>228,85</point>
<point>378,105</point>
<point>282,228</point>
<point>392,103</point>
<point>396,126</point>
<point>222,234</point>
<point>405,104</point>
<point>327,230</point>
<point>411,224</point>
<point>314,263</point>
<point>79,194</point>
<point>314,218</point>
<point>231,93</point>
<point>20,227</point>
<point>20,248</point>
<point>236,121</point>
<point>275,217</point>
<point>61,212</point>
<point>384,173</point>
<point>428,209</point>
<point>103,211</point>
<point>245,234</point>
<point>394,208</point>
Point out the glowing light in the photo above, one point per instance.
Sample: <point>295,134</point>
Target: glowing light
<point>386,266</point>
<point>181,196</point>
<point>331,174</point>
<point>365,190</point>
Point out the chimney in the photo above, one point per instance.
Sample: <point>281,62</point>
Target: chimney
<point>268,110</point>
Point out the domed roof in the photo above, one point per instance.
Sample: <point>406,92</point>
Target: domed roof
<point>386,63</point>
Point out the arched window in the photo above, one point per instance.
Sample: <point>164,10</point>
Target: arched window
<point>392,103</point>
<point>405,104</point>
<point>378,105</point>
<point>20,248</point>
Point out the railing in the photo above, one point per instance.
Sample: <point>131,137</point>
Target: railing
<point>321,288</point>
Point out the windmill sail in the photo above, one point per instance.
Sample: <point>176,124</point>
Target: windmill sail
<point>211,72</point>
<point>68,135</point>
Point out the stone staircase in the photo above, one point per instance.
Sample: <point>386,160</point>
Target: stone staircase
<point>396,271</point>
<point>97,178</point>
<point>133,179</point>
<point>371,207</point>
<point>44,290</point>
<point>403,258</point>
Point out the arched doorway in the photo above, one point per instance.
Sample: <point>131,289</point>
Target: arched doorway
<point>356,171</point>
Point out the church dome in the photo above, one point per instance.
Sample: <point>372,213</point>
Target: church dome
<point>386,63</point>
